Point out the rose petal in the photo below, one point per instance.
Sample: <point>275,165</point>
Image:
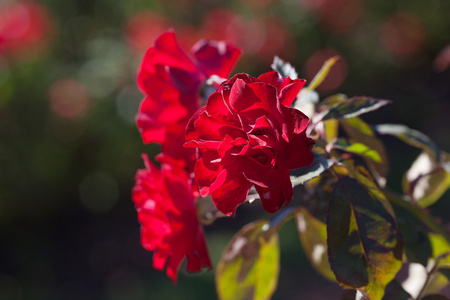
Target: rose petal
<point>201,253</point>
<point>301,121</point>
<point>288,94</point>
<point>173,144</point>
<point>232,193</point>
<point>243,76</point>
<point>218,109</point>
<point>215,58</point>
<point>209,128</point>
<point>191,133</point>
<point>287,88</point>
<point>151,132</point>
<point>300,154</point>
<point>159,262</point>
<point>257,96</point>
<point>207,172</point>
<point>273,198</point>
<point>175,260</point>
<point>169,53</point>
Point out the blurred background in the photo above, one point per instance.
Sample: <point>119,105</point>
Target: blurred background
<point>69,147</point>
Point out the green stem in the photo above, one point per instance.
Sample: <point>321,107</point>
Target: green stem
<point>281,218</point>
<point>417,212</point>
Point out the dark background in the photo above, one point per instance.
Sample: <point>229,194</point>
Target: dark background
<point>69,147</point>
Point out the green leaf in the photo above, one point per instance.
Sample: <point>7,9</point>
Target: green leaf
<point>364,245</point>
<point>439,237</point>
<point>331,128</point>
<point>418,247</point>
<point>423,164</point>
<point>364,178</point>
<point>360,132</point>
<point>445,272</point>
<point>357,148</point>
<point>417,244</point>
<point>394,290</point>
<point>353,107</point>
<point>249,266</point>
<point>331,101</point>
<point>284,68</point>
<point>410,136</point>
<point>328,129</point>
<point>319,165</point>
<point>316,194</point>
<point>313,236</point>
<point>436,284</point>
<point>429,188</point>
<point>426,181</point>
<point>323,72</point>
<point>441,248</point>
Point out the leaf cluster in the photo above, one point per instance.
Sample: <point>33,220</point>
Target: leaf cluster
<point>353,229</point>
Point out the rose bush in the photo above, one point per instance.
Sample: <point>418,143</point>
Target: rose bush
<point>248,135</point>
<point>165,201</point>
<point>171,83</point>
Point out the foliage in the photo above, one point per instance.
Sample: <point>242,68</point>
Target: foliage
<point>366,246</point>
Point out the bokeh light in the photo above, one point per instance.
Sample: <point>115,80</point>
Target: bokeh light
<point>143,28</point>
<point>337,16</point>
<point>403,34</point>
<point>24,28</point>
<point>222,24</point>
<point>442,61</point>
<point>127,103</point>
<point>262,37</point>
<point>68,98</point>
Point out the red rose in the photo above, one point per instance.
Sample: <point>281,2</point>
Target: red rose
<point>164,200</point>
<point>171,82</point>
<point>247,134</point>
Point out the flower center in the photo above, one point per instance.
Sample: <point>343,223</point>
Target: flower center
<point>260,131</point>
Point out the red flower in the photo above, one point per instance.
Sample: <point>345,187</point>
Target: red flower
<point>164,200</point>
<point>247,134</point>
<point>171,82</point>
